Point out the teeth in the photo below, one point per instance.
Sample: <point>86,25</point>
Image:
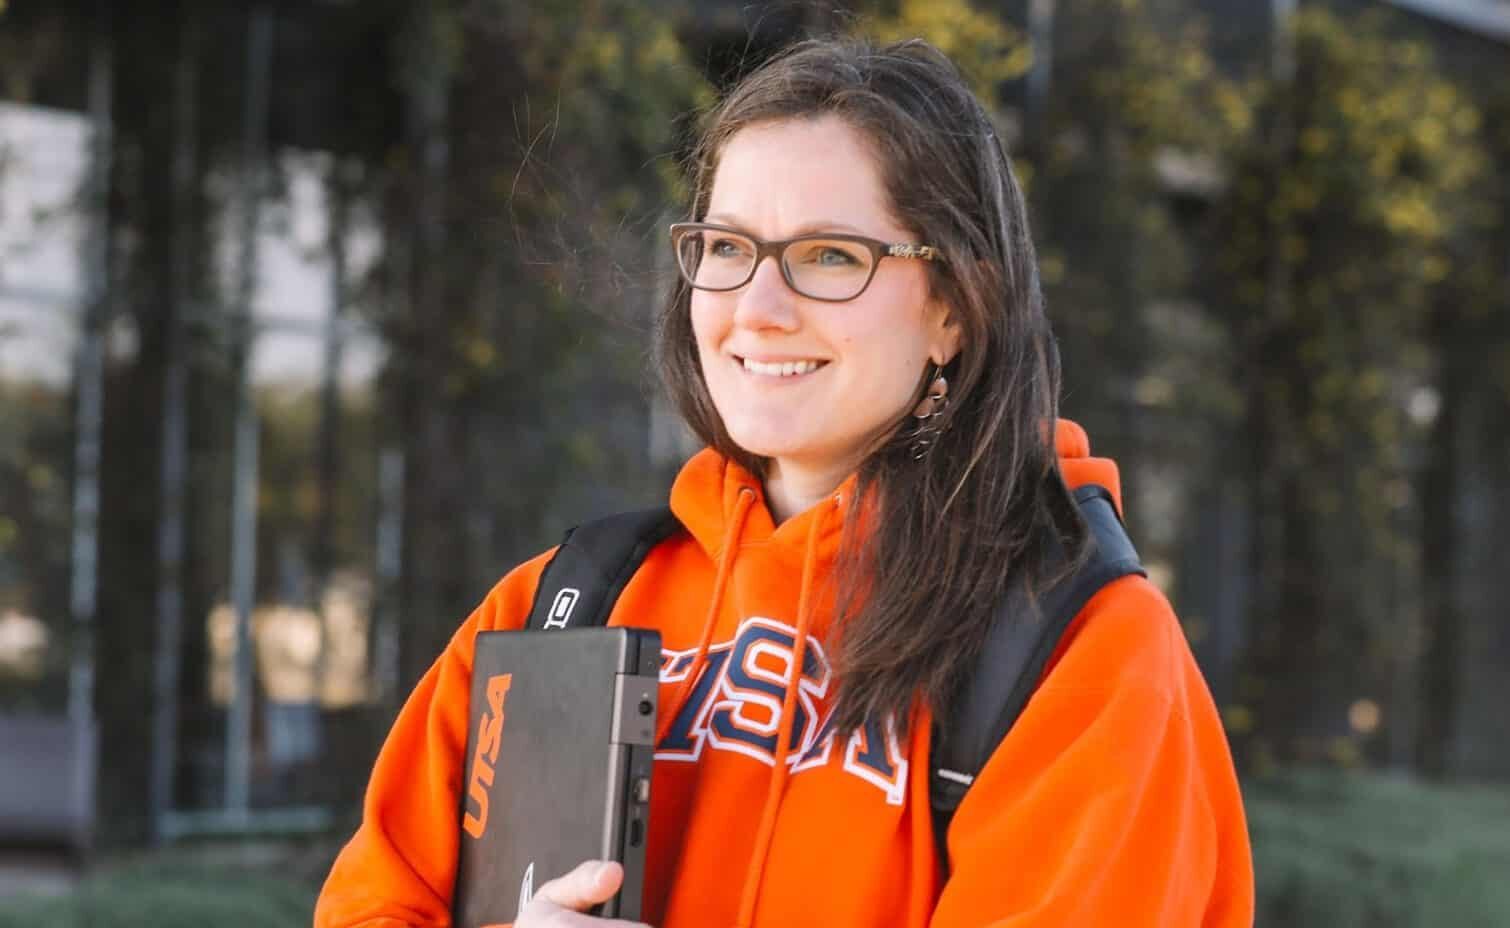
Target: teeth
<point>781,368</point>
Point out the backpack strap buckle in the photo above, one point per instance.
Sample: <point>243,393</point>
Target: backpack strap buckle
<point>946,788</point>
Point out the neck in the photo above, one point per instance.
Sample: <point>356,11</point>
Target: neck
<point>792,487</point>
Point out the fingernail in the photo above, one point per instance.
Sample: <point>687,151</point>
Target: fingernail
<point>601,871</point>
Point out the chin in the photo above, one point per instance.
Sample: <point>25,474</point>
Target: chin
<point>770,442</point>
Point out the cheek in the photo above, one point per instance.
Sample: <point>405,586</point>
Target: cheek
<point>890,335</point>
<point>709,323</point>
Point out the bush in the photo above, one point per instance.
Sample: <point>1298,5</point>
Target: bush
<point>1343,850</point>
<point>170,892</point>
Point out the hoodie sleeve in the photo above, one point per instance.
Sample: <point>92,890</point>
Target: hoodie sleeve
<point>399,868</point>
<point>1113,800</point>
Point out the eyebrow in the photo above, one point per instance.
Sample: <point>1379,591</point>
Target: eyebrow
<point>807,228</point>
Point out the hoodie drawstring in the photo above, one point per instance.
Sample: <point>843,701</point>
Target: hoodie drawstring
<point>726,553</point>
<point>781,771</point>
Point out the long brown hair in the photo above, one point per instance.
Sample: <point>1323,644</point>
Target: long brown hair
<point>951,531</point>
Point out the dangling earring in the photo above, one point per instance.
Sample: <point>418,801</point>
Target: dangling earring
<point>927,412</point>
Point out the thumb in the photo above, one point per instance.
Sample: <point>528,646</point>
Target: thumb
<point>590,883</point>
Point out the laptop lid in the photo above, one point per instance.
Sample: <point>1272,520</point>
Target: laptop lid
<point>560,738</point>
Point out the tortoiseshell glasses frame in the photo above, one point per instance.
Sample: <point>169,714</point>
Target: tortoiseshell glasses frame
<point>683,233</point>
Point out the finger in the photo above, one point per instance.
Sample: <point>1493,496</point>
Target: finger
<point>592,882</point>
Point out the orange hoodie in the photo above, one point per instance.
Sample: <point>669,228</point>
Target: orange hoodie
<point>1112,801</point>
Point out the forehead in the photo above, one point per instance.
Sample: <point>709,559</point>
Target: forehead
<point>780,177</point>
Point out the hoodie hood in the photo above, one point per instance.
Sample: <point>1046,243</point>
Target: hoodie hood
<point>1079,468</point>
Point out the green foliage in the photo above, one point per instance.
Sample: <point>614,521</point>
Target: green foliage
<point>1373,852</point>
<point>1143,70</point>
<point>1381,168</point>
<point>986,49</point>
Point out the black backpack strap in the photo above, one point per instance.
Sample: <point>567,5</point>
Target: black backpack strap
<point>596,559</point>
<point>1021,642</point>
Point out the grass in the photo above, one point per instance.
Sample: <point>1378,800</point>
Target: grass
<point>174,889</point>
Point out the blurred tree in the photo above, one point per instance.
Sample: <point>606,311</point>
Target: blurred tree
<point>1333,240</point>
<point>1133,84</point>
<point>519,332</point>
<point>1126,140</point>
<point>1463,654</point>
<point>988,49</point>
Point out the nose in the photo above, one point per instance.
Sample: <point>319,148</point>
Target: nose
<point>766,302</point>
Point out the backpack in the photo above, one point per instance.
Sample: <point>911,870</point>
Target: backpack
<point>596,559</point>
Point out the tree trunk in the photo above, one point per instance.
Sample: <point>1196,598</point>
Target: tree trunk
<point>172,489</point>
<point>1441,659</point>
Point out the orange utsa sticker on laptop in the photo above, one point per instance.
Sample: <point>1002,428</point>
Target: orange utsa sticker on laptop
<point>489,733</point>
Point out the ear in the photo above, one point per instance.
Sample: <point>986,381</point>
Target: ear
<point>944,333</point>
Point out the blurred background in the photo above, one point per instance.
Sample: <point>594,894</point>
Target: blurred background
<point>316,317</point>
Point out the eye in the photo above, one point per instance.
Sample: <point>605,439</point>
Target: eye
<point>727,248</point>
<point>833,257</point>
<point>829,255</point>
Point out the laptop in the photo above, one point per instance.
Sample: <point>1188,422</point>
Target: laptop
<point>560,745</point>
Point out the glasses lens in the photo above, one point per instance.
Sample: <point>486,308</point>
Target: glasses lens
<point>714,259</point>
<point>828,269</point>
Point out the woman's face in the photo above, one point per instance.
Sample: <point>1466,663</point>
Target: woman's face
<point>859,363</point>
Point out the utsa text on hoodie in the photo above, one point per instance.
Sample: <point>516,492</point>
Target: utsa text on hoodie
<point>1113,800</point>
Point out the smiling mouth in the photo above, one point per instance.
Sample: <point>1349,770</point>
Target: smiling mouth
<point>779,368</point>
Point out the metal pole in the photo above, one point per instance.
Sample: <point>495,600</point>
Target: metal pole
<point>385,613</point>
<point>1282,62</point>
<point>385,653</point>
<point>89,377</point>
<point>337,208</point>
<point>427,104</point>
<point>243,592</point>
<point>1041,37</point>
<point>175,439</point>
<point>244,488</point>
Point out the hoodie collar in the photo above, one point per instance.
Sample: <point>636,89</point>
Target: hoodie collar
<point>706,497</point>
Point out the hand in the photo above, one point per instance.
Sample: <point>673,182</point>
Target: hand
<point>561,902</point>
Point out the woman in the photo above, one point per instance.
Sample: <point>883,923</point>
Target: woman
<point>860,341</point>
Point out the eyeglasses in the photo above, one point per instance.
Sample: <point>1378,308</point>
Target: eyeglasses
<point>828,266</point>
